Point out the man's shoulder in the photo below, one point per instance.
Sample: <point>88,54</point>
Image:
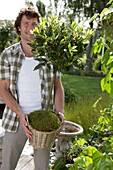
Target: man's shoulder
<point>13,48</point>
<point>11,52</point>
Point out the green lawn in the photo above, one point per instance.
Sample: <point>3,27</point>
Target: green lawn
<point>83,85</point>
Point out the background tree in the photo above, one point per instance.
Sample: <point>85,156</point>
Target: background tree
<point>82,11</point>
<point>29,3</point>
<point>39,4</point>
<point>41,8</point>
<point>106,40</point>
<point>7,35</point>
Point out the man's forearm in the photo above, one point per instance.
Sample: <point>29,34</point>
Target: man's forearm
<point>9,100</point>
<point>59,98</point>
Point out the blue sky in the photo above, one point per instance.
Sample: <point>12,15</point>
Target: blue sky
<point>10,8</point>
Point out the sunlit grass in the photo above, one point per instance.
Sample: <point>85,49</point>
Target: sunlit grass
<point>83,85</point>
<point>82,111</point>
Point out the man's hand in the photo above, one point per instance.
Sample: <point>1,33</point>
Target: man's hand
<point>61,116</point>
<point>23,122</point>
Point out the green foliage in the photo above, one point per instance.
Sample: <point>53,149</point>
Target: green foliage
<point>28,3</point>
<point>107,22</point>
<point>91,159</point>
<point>84,156</point>
<point>82,62</point>
<point>95,150</point>
<point>98,141</point>
<point>61,44</point>
<point>41,8</point>
<point>58,44</point>
<point>82,10</point>
<point>77,147</point>
<point>106,42</point>
<point>105,122</point>
<point>59,164</point>
<point>42,120</point>
<point>97,63</point>
<point>7,35</point>
<point>70,95</point>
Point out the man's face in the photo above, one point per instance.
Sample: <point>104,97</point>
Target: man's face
<point>26,25</point>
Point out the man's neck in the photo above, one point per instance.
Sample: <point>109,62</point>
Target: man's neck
<point>26,49</point>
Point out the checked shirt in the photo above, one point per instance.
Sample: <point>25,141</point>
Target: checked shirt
<point>11,61</point>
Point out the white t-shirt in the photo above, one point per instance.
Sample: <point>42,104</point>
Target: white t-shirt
<point>29,86</point>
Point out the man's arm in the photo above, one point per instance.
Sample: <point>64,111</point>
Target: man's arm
<point>9,100</point>
<point>59,96</point>
<point>7,97</point>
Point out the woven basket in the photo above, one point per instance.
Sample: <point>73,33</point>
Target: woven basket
<point>43,140</point>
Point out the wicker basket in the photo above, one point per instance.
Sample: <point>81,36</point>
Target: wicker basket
<point>42,140</point>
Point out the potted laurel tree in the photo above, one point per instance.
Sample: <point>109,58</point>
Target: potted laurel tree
<point>59,45</point>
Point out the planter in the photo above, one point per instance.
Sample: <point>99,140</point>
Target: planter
<point>42,140</point>
<point>44,131</point>
<point>70,129</point>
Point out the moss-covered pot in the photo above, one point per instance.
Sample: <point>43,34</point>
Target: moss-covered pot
<point>42,120</point>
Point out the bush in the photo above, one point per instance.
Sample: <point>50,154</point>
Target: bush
<point>97,63</point>
<point>70,95</point>
<point>92,73</point>
<point>7,35</point>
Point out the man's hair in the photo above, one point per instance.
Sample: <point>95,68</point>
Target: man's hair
<point>29,12</point>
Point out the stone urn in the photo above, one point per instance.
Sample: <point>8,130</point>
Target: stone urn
<point>69,130</point>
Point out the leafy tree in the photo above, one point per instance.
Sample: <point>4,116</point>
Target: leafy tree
<point>39,4</point>
<point>81,10</point>
<point>61,43</point>
<point>7,35</point>
<point>58,44</point>
<point>85,10</point>
<point>105,42</point>
<point>29,3</point>
<point>41,8</point>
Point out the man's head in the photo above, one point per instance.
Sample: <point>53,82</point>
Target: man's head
<point>29,13</point>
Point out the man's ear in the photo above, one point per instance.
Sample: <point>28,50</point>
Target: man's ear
<point>19,28</point>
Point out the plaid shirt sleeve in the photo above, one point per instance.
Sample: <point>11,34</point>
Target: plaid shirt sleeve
<point>4,66</point>
<point>10,62</point>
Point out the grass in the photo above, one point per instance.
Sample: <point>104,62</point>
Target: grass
<point>83,85</point>
<point>88,91</point>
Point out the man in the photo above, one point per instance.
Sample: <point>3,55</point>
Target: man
<point>23,91</point>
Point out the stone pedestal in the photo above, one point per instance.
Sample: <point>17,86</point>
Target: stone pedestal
<point>69,130</point>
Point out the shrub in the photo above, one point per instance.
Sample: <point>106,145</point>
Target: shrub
<point>7,35</point>
<point>97,63</point>
<point>70,95</point>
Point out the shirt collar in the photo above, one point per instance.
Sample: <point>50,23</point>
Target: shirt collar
<point>18,49</point>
